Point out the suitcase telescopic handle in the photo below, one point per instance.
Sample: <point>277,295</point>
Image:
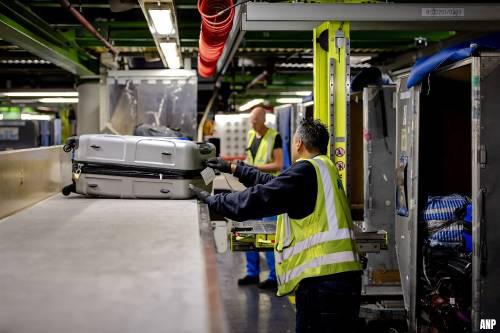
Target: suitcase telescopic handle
<point>93,185</point>
<point>95,146</point>
<point>166,153</point>
<point>164,191</point>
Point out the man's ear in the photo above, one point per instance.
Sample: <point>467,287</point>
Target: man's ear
<point>299,143</point>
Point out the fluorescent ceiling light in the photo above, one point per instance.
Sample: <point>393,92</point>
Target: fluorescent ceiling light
<point>296,93</point>
<point>295,65</point>
<point>40,94</point>
<point>291,100</point>
<point>364,65</point>
<point>353,60</point>
<point>24,61</point>
<point>162,21</point>
<point>24,101</point>
<point>27,116</point>
<point>250,104</point>
<point>58,100</point>
<point>170,53</point>
<point>359,59</point>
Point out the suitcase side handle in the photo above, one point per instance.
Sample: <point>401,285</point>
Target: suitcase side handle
<point>204,148</point>
<point>92,185</point>
<point>71,144</point>
<point>95,146</point>
<point>166,153</point>
<point>164,191</point>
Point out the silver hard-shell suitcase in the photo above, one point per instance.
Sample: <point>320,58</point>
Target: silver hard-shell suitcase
<point>136,167</point>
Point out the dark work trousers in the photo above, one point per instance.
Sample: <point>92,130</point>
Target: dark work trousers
<point>328,303</point>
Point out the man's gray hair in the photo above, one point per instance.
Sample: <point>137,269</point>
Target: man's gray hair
<point>314,135</point>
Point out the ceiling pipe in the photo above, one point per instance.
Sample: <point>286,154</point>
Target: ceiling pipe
<point>86,24</point>
<point>259,78</point>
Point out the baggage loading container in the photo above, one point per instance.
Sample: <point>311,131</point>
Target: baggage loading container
<point>447,143</point>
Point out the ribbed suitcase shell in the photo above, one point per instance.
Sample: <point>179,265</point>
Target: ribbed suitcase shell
<point>143,151</point>
<point>136,188</point>
<point>161,156</point>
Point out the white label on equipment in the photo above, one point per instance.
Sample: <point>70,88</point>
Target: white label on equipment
<point>404,95</point>
<point>443,12</point>
<point>208,175</point>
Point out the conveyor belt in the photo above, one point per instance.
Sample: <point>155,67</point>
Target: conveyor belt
<point>103,265</point>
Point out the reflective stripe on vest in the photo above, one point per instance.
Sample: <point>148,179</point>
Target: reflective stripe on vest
<point>327,259</point>
<point>328,245</point>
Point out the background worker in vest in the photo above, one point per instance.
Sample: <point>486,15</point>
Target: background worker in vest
<point>315,251</point>
<point>264,151</point>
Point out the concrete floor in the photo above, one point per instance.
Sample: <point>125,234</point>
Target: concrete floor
<point>247,308</point>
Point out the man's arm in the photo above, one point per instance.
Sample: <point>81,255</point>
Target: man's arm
<point>249,175</point>
<point>276,165</point>
<point>277,196</point>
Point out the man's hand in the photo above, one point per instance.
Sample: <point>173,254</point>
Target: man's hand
<point>202,195</point>
<point>218,163</point>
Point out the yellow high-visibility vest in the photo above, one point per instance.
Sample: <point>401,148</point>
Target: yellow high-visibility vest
<point>321,243</point>
<point>265,152</point>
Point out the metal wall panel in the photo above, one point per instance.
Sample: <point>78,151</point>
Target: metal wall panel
<point>406,184</point>
<point>28,176</point>
<point>379,143</point>
<point>486,191</point>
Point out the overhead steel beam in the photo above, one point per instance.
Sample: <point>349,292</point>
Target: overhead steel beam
<point>25,32</point>
<point>256,25</point>
<point>233,42</point>
<point>52,4</point>
<point>384,16</point>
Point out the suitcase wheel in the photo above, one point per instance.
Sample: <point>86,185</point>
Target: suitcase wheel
<point>68,189</point>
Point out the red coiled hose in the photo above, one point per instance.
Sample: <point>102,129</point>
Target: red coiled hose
<point>216,23</point>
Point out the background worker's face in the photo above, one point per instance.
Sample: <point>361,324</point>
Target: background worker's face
<point>258,119</point>
<point>297,147</point>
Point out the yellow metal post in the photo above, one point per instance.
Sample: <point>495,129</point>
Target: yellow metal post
<point>332,90</point>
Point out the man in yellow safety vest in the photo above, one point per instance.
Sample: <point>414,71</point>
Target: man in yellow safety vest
<point>264,152</point>
<point>264,145</point>
<point>315,252</point>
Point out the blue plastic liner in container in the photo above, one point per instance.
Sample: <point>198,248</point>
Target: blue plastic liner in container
<point>438,211</point>
<point>426,65</point>
<point>468,235</point>
<point>443,208</point>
